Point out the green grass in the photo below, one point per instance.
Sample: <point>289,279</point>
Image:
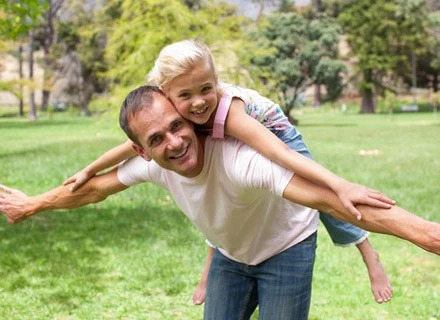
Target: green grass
<point>135,256</point>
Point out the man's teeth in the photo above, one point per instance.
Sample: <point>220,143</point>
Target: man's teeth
<point>180,154</point>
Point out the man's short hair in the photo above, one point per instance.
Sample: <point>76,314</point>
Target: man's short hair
<point>136,100</point>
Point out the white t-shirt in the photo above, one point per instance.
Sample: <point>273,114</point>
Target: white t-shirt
<point>236,201</point>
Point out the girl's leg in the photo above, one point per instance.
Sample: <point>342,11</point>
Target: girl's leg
<point>343,233</point>
<point>380,284</point>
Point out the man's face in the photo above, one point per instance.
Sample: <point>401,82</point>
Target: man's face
<point>167,138</point>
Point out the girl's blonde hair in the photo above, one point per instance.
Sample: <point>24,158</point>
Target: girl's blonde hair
<point>179,58</point>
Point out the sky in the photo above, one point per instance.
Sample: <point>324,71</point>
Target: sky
<point>246,7</point>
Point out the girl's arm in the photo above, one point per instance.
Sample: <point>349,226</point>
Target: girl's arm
<point>242,126</point>
<point>200,292</point>
<point>107,160</point>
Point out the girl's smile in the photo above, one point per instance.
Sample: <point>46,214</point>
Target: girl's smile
<point>194,94</point>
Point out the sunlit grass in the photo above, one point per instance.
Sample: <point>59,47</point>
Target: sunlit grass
<point>135,256</point>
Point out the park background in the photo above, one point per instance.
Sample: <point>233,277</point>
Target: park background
<point>359,77</point>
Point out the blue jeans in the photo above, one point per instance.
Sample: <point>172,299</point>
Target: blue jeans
<point>281,286</point>
<point>342,233</point>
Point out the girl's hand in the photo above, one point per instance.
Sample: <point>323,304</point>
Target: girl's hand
<point>352,194</point>
<point>78,179</point>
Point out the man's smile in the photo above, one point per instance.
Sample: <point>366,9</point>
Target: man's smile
<point>181,154</point>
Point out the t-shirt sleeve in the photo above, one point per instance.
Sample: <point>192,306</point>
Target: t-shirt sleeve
<point>136,170</point>
<point>254,171</point>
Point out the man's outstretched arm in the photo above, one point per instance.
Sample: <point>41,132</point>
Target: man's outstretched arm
<point>18,206</point>
<point>394,221</point>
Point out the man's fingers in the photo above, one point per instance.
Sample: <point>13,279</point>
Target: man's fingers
<point>9,220</point>
<point>6,189</point>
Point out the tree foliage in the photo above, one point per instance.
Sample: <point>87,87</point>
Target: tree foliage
<point>383,35</point>
<point>80,63</point>
<point>295,53</point>
<point>428,55</point>
<point>145,27</point>
<point>18,17</point>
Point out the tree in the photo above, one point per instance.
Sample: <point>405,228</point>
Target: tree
<point>79,54</point>
<point>32,106</point>
<point>427,47</point>
<point>145,27</point>
<point>384,36</point>
<point>47,34</point>
<point>17,18</point>
<point>295,54</point>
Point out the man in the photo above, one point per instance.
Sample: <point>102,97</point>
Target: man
<point>235,197</point>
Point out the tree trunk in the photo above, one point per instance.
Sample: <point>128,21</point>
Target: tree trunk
<point>33,110</point>
<point>414,77</point>
<point>20,74</point>
<point>49,37</point>
<point>45,98</point>
<point>260,10</point>
<point>368,101</point>
<point>316,95</point>
<point>87,94</point>
<point>367,93</point>
<point>85,111</point>
<point>317,6</point>
<point>435,82</point>
<point>48,40</point>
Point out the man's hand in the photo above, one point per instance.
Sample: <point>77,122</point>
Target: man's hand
<point>14,204</point>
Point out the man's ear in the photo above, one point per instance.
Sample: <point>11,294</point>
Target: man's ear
<point>140,151</point>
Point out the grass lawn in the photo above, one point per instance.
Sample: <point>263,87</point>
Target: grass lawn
<point>135,256</point>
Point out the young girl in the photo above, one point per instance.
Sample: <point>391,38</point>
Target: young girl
<point>186,73</point>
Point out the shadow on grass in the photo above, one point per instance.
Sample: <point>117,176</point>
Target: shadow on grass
<point>10,115</point>
<point>56,148</point>
<point>74,246</point>
<point>34,124</point>
<point>328,125</point>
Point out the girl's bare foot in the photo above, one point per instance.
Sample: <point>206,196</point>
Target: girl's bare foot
<point>380,284</point>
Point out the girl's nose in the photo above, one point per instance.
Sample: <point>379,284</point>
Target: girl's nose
<point>198,102</point>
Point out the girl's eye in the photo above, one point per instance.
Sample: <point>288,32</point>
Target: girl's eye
<point>185,95</point>
<point>206,89</point>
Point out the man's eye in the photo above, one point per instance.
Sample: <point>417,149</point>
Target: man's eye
<point>177,125</point>
<point>155,140</point>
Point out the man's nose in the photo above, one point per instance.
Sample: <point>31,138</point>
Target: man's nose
<point>174,140</point>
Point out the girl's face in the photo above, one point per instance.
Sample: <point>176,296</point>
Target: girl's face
<point>194,94</point>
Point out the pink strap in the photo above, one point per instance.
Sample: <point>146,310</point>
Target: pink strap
<point>218,131</point>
